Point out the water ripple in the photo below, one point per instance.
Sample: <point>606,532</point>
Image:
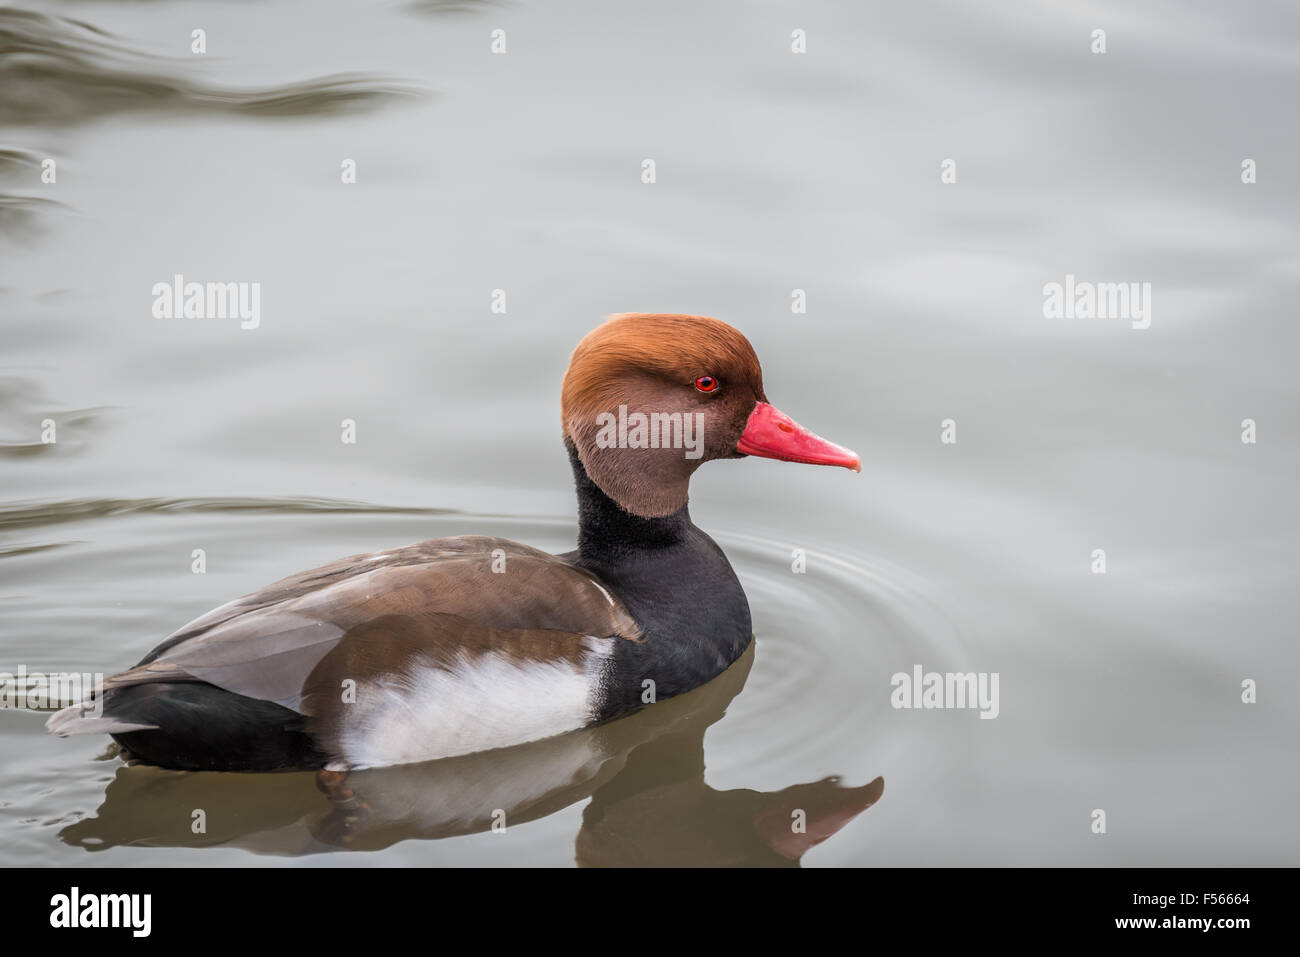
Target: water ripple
<point>32,514</point>
<point>18,211</point>
<point>54,71</point>
<point>454,7</point>
<point>837,631</point>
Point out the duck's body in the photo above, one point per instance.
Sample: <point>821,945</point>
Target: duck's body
<point>442,648</point>
<point>453,645</point>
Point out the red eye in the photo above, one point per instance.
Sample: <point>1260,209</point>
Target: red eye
<point>706,383</point>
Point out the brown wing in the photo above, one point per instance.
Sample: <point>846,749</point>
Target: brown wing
<point>442,592</point>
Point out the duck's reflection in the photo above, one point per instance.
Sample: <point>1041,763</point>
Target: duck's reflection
<point>644,774</point>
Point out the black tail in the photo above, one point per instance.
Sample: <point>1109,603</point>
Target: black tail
<point>200,727</point>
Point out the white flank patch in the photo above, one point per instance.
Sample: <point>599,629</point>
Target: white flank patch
<point>481,703</point>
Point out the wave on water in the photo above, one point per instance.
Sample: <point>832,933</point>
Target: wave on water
<point>34,514</point>
<point>55,70</point>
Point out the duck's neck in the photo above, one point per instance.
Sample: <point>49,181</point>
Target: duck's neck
<point>608,533</point>
<point>676,582</point>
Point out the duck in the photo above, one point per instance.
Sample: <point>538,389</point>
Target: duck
<point>471,643</point>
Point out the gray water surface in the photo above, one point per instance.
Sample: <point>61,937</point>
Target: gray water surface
<point>775,172</point>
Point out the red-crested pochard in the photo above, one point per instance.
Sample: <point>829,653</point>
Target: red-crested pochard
<point>465,644</point>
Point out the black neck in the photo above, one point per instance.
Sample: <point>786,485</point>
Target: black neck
<point>674,580</point>
<point>608,533</point>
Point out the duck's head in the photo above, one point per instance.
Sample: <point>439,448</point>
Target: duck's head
<point>649,398</point>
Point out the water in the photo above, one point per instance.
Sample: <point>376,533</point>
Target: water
<point>775,172</point>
